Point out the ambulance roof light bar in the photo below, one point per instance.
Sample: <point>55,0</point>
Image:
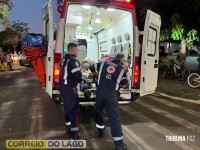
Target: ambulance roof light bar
<point>60,2</point>
<point>127,1</point>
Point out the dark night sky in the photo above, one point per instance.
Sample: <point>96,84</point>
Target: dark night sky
<point>188,10</point>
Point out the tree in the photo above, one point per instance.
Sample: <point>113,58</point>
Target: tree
<point>3,36</point>
<point>180,19</point>
<point>187,37</point>
<point>5,6</point>
<point>19,27</point>
<point>13,34</point>
<point>12,38</point>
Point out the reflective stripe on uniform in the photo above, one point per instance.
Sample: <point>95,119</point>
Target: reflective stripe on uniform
<point>118,138</point>
<point>100,127</point>
<point>100,70</point>
<point>95,67</point>
<point>75,129</point>
<point>123,78</point>
<point>65,72</point>
<point>68,123</point>
<point>75,70</point>
<point>119,78</point>
<point>62,63</point>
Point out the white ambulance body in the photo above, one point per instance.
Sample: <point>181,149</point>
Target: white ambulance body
<point>104,27</point>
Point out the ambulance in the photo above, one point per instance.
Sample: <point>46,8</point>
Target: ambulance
<point>103,28</point>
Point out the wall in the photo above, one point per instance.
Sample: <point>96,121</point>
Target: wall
<point>117,28</point>
<point>120,27</point>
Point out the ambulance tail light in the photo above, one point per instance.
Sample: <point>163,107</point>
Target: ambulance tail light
<point>56,69</point>
<point>136,73</point>
<point>57,98</point>
<point>56,72</point>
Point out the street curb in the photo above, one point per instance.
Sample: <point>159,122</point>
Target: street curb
<point>179,98</point>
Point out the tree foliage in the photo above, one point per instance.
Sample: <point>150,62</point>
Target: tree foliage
<point>191,37</point>
<point>178,32</point>
<point>12,38</point>
<point>13,34</point>
<point>165,34</point>
<point>19,27</point>
<point>180,19</point>
<point>5,6</point>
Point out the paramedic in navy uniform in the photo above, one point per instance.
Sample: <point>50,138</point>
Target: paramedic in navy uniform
<point>70,76</point>
<point>111,76</point>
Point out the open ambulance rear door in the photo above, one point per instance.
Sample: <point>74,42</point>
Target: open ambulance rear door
<point>48,27</point>
<point>150,54</point>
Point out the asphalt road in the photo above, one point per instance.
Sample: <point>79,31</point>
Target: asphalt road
<point>27,112</point>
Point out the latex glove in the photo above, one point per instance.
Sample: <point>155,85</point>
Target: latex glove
<point>124,86</point>
<point>82,86</point>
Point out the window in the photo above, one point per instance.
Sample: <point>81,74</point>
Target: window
<point>151,42</point>
<point>193,53</point>
<point>103,46</point>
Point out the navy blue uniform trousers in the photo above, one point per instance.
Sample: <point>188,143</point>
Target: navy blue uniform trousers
<point>109,98</point>
<point>71,109</point>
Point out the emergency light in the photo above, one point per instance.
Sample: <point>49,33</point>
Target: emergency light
<point>126,1</point>
<point>108,1</point>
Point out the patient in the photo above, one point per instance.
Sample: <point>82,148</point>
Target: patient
<point>85,65</point>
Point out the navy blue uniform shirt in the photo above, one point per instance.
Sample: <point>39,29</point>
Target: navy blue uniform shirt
<point>70,73</point>
<point>110,75</point>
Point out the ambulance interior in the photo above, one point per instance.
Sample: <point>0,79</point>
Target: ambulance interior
<point>101,32</point>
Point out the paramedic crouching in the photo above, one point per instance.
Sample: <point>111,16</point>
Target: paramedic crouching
<point>111,76</point>
<point>70,76</point>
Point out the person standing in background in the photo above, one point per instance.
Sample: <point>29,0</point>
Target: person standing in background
<point>9,61</point>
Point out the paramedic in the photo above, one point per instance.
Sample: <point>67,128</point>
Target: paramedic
<point>70,76</point>
<point>111,76</point>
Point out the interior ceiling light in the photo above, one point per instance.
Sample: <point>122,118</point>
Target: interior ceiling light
<point>98,12</point>
<point>86,6</point>
<point>97,20</point>
<point>89,27</point>
<point>110,9</point>
<point>81,18</point>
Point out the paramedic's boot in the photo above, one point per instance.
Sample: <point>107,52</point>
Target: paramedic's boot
<point>74,135</point>
<point>68,128</point>
<point>120,145</point>
<point>101,133</point>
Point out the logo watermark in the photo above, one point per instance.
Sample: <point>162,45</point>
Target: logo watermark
<point>45,144</point>
<point>180,138</point>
